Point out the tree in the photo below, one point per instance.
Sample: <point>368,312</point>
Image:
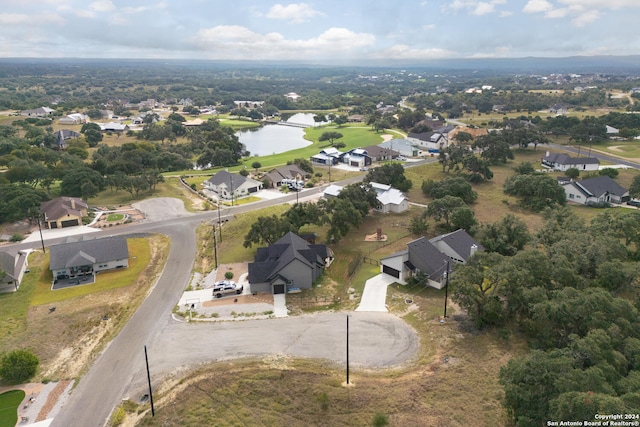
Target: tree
<point>302,214</point>
<point>443,208</point>
<point>73,180</point>
<point>453,156</point>
<point>634,188</point>
<point>390,174</point>
<point>256,165</point>
<point>419,225</point>
<point>18,366</point>
<point>462,217</point>
<point>572,173</point>
<point>452,186</point>
<point>610,172</point>
<point>267,230</point>
<point>330,136</point>
<point>494,148</point>
<point>303,164</point>
<point>319,118</point>
<point>536,191</point>
<point>524,168</point>
<point>464,137</point>
<point>340,120</point>
<point>506,236</point>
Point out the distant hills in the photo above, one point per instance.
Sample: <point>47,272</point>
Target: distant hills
<point>529,65</point>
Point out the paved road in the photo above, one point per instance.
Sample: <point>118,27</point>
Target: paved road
<point>376,340</point>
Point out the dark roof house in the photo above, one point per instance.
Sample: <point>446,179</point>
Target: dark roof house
<point>458,245</point>
<point>600,189</point>
<point>228,185</point>
<point>290,262</point>
<point>84,258</point>
<point>288,172</point>
<point>562,162</point>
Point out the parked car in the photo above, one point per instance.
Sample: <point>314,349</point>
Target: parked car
<point>224,287</point>
<point>635,203</point>
<point>401,158</point>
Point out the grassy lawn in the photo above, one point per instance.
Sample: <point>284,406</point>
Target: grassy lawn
<point>86,317</point>
<point>9,402</point>
<point>115,217</point>
<point>139,255</point>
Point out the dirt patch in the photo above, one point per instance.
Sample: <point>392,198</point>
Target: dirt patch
<point>374,238</point>
<point>238,269</point>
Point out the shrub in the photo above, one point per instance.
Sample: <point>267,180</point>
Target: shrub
<point>228,275</point>
<point>17,237</point>
<point>17,366</point>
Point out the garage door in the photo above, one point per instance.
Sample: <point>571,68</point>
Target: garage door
<point>278,289</point>
<point>391,271</point>
<point>70,223</point>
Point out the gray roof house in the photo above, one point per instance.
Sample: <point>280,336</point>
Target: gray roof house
<point>38,112</point>
<point>62,136</point>
<point>600,189</point>
<point>290,262</point>
<point>79,261</point>
<point>430,257</point>
<point>228,185</point>
<point>562,162</point>
<point>378,153</point>
<point>457,245</point>
<point>389,199</point>
<point>14,267</point>
<point>64,212</point>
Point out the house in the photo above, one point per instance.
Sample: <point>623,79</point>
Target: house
<point>86,258</point>
<point>327,156</point>
<point>562,162</point>
<point>14,267</point>
<point>357,157</point>
<point>612,132</point>
<point>601,189</point>
<point>428,140</point>
<point>389,199</point>
<point>403,146</point>
<point>457,245</point>
<point>62,136</point>
<point>421,256</point>
<point>113,127</point>
<point>38,112</point>
<point>292,96</point>
<point>64,212</point>
<point>431,257</point>
<point>73,119</point>
<point>355,118</point>
<point>379,154</point>
<point>558,110</point>
<point>290,262</point>
<point>276,176</point>
<point>474,132</point>
<point>232,185</point>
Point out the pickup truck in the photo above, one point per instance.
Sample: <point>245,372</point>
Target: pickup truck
<point>224,287</point>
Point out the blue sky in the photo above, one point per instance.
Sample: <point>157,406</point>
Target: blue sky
<point>328,30</point>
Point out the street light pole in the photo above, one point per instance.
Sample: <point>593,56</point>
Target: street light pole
<point>41,239</point>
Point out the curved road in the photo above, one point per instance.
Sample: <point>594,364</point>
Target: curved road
<point>107,381</point>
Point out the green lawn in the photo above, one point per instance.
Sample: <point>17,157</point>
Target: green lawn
<point>9,402</point>
<point>139,255</point>
<point>115,217</point>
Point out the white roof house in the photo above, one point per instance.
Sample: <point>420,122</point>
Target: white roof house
<point>390,199</point>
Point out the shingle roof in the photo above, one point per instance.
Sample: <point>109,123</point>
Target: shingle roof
<point>460,241</point>
<point>600,185</point>
<point>8,264</point>
<point>270,260</point>
<point>88,252</point>
<point>62,206</point>
<point>227,178</point>
<point>565,159</point>
<point>427,258</point>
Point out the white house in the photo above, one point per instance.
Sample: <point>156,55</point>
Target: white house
<point>562,162</point>
<point>390,200</point>
<point>600,189</point>
<point>73,119</point>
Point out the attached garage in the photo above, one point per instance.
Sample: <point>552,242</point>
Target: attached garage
<point>70,223</point>
<point>391,271</point>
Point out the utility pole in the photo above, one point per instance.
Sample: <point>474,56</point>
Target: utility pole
<point>219,223</point>
<point>146,359</point>
<point>348,349</point>
<point>215,245</point>
<point>41,239</point>
<point>446,290</point>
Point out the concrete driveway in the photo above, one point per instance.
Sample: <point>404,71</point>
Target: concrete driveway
<point>375,293</point>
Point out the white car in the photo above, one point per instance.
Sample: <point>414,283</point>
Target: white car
<point>224,287</point>
<point>401,158</point>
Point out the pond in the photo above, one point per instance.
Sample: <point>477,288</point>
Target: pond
<point>273,139</point>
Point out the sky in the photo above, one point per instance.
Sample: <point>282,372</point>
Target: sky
<point>329,30</point>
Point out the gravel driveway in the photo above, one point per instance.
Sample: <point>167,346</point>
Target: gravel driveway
<point>376,340</point>
<point>162,208</point>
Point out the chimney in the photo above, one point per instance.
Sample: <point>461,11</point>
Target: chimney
<point>547,155</point>
<point>473,250</point>
<point>73,203</point>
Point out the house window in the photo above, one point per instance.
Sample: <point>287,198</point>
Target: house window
<point>571,196</point>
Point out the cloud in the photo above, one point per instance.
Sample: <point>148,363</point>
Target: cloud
<point>403,51</point>
<point>475,7</point>
<point>586,18</point>
<point>22,19</point>
<point>234,41</point>
<point>505,13</point>
<point>536,6</point>
<point>296,13</point>
<point>602,4</point>
<point>102,6</point>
